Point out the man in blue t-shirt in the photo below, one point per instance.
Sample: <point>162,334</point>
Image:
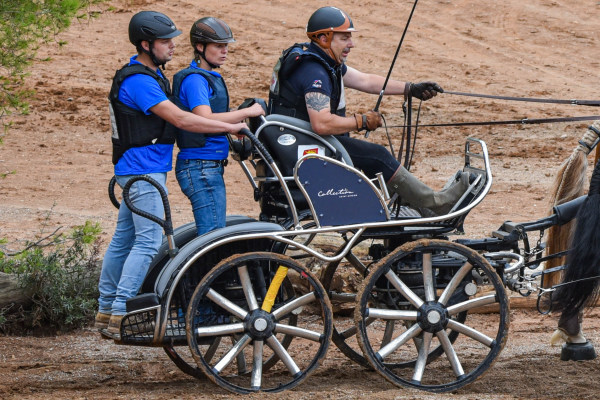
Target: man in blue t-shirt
<point>202,90</point>
<point>143,120</point>
<point>310,85</point>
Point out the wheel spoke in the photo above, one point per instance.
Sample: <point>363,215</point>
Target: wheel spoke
<point>428,277</point>
<point>399,341</point>
<point>293,305</point>
<point>212,349</point>
<point>388,332</point>
<point>247,287</point>
<point>470,332</point>
<point>226,304</point>
<point>450,353</point>
<point>220,330</point>
<point>348,333</point>
<point>471,304</point>
<point>257,364</point>
<point>422,357</point>
<point>231,354</point>
<point>404,290</point>
<point>454,282</point>
<point>283,355</point>
<point>405,315</point>
<point>299,332</point>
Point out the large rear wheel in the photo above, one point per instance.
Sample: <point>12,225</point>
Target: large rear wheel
<point>243,310</point>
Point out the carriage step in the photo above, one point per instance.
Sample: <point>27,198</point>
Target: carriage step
<point>142,301</point>
<point>577,351</point>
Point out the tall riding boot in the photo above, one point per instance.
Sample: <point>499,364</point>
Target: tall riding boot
<point>416,194</point>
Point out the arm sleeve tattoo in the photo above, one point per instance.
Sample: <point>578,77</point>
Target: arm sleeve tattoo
<point>317,101</point>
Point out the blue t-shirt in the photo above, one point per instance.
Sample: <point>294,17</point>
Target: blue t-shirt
<point>311,76</point>
<point>142,92</point>
<point>195,91</point>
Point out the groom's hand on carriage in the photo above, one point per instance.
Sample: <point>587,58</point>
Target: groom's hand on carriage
<point>237,130</point>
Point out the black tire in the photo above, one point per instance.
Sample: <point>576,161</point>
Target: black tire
<point>453,280</point>
<point>233,292</point>
<point>183,362</point>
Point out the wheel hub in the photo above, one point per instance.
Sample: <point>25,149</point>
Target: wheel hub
<point>260,324</point>
<point>433,317</point>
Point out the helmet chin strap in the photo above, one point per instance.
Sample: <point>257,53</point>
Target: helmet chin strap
<point>213,66</point>
<point>153,57</point>
<point>201,53</point>
<point>327,47</point>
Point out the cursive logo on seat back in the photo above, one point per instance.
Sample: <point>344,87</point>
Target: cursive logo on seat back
<point>340,193</point>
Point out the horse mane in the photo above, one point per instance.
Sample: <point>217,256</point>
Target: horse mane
<point>583,260</point>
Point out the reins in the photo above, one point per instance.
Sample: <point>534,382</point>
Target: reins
<point>524,121</point>
<point>575,102</point>
<point>408,126</point>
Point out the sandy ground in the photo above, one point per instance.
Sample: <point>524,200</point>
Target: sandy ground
<point>55,163</point>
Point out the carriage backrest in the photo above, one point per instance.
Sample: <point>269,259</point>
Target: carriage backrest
<point>288,139</point>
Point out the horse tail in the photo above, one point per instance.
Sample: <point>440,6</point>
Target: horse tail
<point>584,257</point>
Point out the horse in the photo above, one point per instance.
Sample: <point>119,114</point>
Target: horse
<point>580,286</point>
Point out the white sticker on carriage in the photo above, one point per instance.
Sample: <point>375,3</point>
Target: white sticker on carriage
<point>304,149</point>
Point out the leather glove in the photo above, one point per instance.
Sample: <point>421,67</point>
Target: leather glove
<point>422,90</point>
<point>369,121</point>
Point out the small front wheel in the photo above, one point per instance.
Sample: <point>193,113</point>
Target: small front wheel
<point>430,294</point>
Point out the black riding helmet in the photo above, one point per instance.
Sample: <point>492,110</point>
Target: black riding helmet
<point>151,25</point>
<point>326,21</point>
<point>209,30</point>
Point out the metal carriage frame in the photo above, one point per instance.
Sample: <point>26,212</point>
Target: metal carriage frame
<point>412,309</point>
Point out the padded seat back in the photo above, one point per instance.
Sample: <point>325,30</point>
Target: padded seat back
<point>288,139</point>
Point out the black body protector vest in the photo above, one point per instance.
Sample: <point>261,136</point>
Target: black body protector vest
<point>282,97</point>
<point>219,102</point>
<point>133,128</point>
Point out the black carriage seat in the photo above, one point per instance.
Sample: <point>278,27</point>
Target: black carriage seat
<point>287,139</point>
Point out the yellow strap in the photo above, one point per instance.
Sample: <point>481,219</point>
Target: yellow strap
<point>274,288</point>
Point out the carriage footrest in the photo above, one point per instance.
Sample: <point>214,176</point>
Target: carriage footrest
<point>139,328</point>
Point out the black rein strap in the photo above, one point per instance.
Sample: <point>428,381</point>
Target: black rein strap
<point>593,103</point>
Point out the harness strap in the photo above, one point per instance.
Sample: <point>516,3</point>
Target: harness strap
<point>593,103</point>
<point>524,121</point>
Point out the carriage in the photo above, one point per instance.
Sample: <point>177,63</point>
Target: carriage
<point>252,305</point>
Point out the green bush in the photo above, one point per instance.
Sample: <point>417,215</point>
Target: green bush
<point>60,274</point>
<point>24,26</point>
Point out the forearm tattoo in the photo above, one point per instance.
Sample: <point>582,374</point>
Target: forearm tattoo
<point>317,101</point>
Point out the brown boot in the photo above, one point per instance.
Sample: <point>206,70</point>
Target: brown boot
<point>113,331</point>
<point>416,194</point>
<point>101,321</point>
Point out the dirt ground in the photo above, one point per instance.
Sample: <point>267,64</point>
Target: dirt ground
<point>55,164</point>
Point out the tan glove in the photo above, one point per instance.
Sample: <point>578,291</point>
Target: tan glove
<point>369,121</point>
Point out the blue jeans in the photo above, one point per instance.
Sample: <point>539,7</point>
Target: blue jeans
<point>134,244</point>
<point>202,182</point>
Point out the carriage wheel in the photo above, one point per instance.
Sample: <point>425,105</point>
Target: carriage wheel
<point>185,364</point>
<point>242,303</point>
<point>344,334</point>
<point>418,290</point>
